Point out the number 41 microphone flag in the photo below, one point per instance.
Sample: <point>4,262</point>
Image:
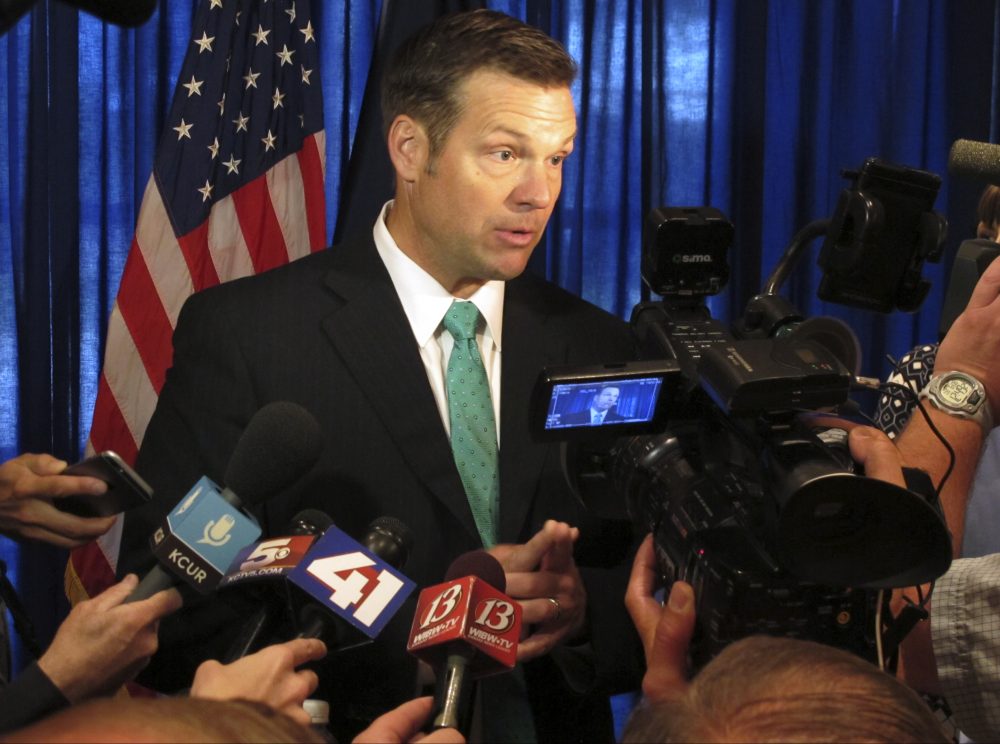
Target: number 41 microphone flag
<point>236,189</point>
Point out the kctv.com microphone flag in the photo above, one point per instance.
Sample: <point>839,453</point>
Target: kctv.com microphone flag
<point>236,188</point>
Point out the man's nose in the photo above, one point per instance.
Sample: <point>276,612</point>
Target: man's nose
<point>538,186</point>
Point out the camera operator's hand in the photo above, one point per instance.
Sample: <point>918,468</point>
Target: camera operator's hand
<point>27,484</point>
<point>972,344</point>
<point>103,643</point>
<point>542,575</point>
<point>269,676</point>
<point>404,724</point>
<point>665,630</point>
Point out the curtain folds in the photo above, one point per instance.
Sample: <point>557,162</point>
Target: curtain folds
<point>751,106</point>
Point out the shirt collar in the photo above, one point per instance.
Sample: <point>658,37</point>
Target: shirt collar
<point>424,300</point>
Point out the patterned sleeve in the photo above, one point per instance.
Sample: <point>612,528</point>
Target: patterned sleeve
<point>965,629</point>
<point>913,370</point>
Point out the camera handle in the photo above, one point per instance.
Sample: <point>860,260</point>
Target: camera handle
<point>790,257</point>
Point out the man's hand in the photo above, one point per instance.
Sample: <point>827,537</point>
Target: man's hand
<point>404,724</point>
<point>28,483</point>
<point>103,643</point>
<point>542,576</point>
<point>665,630</point>
<point>268,676</point>
<point>972,344</point>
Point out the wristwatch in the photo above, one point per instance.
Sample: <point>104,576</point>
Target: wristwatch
<point>960,395</point>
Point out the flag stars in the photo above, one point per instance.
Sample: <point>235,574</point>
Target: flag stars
<point>285,55</point>
<point>222,104</point>
<point>277,98</point>
<point>251,79</point>
<point>184,130</point>
<point>305,74</point>
<point>269,141</point>
<point>232,165</point>
<point>204,43</point>
<point>215,4</point>
<point>260,35</point>
<point>291,13</point>
<point>308,32</point>
<point>241,123</point>
<point>194,87</point>
<point>205,191</point>
<point>214,148</point>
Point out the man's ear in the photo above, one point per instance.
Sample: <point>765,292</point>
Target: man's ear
<point>409,147</point>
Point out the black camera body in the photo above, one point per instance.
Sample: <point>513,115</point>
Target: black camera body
<point>765,515</point>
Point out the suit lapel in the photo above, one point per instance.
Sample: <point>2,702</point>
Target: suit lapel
<point>373,338</point>
<point>527,347</point>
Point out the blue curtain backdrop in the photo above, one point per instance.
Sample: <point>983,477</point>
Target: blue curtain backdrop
<point>752,106</point>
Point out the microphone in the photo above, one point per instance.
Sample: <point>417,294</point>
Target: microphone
<point>353,590</point>
<point>204,532</point>
<point>980,160</point>
<point>260,571</point>
<point>128,13</point>
<point>465,628</point>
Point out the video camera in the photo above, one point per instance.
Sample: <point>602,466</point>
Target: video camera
<point>764,514</point>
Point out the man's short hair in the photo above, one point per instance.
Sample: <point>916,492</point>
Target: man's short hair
<point>783,689</point>
<point>989,206</point>
<point>426,73</point>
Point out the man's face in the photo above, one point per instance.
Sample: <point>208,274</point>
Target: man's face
<point>606,399</point>
<point>480,207</point>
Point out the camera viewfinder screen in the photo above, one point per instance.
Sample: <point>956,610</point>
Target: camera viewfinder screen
<point>609,403</point>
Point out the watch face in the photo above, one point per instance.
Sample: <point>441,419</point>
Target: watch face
<point>955,391</point>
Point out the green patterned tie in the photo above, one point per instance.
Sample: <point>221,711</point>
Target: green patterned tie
<point>473,427</point>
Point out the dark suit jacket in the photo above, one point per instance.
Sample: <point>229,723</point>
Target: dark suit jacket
<point>328,332</point>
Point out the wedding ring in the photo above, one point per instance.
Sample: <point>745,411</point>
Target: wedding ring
<point>555,603</point>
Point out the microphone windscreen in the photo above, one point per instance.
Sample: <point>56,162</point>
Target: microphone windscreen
<point>976,159</point>
<point>390,539</point>
<point>280,444</point>
<point>310,522</point>
<point>478,563</point>
<point>118,12</point>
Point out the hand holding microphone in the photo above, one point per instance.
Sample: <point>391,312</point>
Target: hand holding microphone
<point>270,676</point>
<point>465,628</point>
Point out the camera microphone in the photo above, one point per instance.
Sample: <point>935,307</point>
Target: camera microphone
<point>979,160</point>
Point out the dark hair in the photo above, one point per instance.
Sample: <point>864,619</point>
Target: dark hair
<point>424,78</point>
<point>781,689</point>
<point>989,206</point>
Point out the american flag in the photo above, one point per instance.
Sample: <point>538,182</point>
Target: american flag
<point>236,189</point>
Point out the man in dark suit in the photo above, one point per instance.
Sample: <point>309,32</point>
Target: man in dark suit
<point>600,411</point>
<point>479,119</point>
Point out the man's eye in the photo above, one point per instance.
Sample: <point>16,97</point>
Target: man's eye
<point>504,155</point>
<point>557,159</point>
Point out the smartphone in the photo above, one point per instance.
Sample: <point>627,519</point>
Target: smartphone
<point>126,489</point>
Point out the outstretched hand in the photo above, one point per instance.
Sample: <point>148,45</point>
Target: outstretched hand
<point>404,724</point>
<point>542,575</point>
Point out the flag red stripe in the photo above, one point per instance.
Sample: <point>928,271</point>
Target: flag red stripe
<point>194,246</point>
<point>109,429</point>
<point>91,568</point>
<point>145,318</point>
<point>311,166</point>
<point>260,226</point>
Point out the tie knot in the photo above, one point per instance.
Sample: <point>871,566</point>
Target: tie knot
<point>461,319</point>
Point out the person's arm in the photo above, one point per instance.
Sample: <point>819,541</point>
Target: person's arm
<point>972,345</point>
<point>28,698</point>
<point>104,642</point>
<point>270,676</point>
<point>28,484</point>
